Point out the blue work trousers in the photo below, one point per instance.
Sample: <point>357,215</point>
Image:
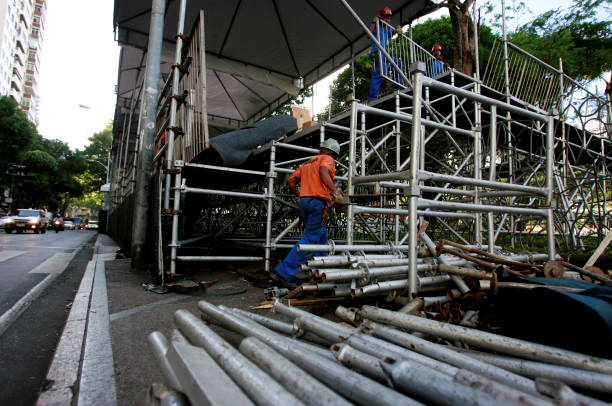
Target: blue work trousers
<point>315,232</point>
<point>379,70</point>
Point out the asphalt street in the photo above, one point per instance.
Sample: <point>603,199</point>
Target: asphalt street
<point>28,342</point>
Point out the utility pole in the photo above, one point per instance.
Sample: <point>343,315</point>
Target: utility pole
<point>17,170</point>
<point>146,134</point>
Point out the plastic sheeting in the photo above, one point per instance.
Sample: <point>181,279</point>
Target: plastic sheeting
<point>235,147</point>
<point>577,321</point>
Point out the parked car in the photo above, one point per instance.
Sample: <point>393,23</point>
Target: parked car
<point>68,225</point>
<point>91,225</point>
<point>27,219</point>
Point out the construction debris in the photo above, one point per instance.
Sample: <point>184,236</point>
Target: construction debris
<point>408,360</point>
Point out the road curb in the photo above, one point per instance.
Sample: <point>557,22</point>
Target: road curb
<point>89,313</point>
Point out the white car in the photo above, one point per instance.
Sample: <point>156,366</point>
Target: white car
<point>68,225</point>
<point>27,219</point>
<point>92,225</point>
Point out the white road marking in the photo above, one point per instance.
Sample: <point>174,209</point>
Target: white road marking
<point>56,264</point>
<point>6,255</point>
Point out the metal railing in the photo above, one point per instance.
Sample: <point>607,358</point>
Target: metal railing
<point>404,52</point>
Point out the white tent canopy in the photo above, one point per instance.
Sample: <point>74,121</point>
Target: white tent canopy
<point>259,53</point>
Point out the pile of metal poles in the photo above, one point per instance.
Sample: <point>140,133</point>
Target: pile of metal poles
<point>441,271</point>
<point>315,361</point>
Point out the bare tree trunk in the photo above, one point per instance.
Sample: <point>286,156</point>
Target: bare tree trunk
<point>463,35</point>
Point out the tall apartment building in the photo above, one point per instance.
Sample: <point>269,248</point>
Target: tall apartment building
<point>22,24</point>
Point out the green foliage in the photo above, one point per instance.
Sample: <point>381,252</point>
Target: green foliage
<point>440,31</point>
<point>296,101</point>
<point>581,36</point>
<point>16,133</point>
<point>39,161</point>
<point>53,176</point>
<point>342,87</point>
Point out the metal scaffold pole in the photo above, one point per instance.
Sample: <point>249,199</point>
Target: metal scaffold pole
<point>147,134</point>
<point>417,69</point>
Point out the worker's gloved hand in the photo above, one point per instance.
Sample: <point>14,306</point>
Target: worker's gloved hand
<point>338,198</point>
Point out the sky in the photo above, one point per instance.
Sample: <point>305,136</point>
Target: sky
<point>79,67</point>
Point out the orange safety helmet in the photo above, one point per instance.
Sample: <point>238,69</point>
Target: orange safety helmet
<point>386,11</point>
<point>437,46</point>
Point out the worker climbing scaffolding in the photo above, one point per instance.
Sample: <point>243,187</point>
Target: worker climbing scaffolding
<point>317,191</point>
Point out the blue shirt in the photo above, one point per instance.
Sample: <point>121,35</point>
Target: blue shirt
<point>386,32</point>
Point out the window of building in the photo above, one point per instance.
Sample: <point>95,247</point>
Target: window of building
<point>36,20</point>
<point>31,55</point>
<point>35,31</point>
<point>37,9</point>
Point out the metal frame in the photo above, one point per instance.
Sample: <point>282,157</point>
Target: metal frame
<point>552,186</point>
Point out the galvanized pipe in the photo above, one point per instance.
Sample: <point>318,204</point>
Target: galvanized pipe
<point>271,175</point>
<point>342,275</point>
<point>461,285</point>
<point>361,362</point>
<point>223,193</point>
<point>282,327</point>
<point>176,76</point>
<point>492,173</point>
<point>411,119</point>
<point>350,247</point>
<point>350,384</point>
<point>159,346</point>
<point>444,354</point>
<point>202,258</point>
<point>448,205</point>
<point>350,221</point>
<point>426,175</point>
<point>495,342</point>
<point>550,157</point>
<point>251,379</point>
<point>363,342</point>
<point>482,99</point>
<point>436,387</point>
<point>417,69</point>
<point>577,378</point>
<point>176,204</point>
<point>298,382</point>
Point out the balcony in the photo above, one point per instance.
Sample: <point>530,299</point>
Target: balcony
<point>15,94</point>
<point>18,72</point>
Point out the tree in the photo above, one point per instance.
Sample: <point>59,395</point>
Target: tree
<point>342,87</point>
<point>581,36</point>
<point>440,31</point>
<point>463,34</point>
<point>295,101</point>
<point>16,133</point>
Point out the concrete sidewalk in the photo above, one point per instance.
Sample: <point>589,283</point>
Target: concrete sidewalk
<point>103,356</point>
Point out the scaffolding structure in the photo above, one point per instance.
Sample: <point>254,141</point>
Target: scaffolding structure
<point>479,161</point>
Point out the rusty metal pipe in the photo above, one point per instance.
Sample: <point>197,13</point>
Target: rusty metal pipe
<point>495,342</point>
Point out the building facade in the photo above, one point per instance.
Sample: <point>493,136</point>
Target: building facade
<point>22,24</point>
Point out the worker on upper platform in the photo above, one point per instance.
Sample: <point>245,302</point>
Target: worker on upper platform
<point>381,66</point>
<point>317,192</point>
<point>437,65</point>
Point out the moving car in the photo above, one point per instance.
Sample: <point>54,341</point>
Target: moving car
<point>92,225</point>
<point>3,220</point>
<point>27,219</point>
<point>68,225</point>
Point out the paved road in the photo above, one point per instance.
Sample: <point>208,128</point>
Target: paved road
<point>28,343</point>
